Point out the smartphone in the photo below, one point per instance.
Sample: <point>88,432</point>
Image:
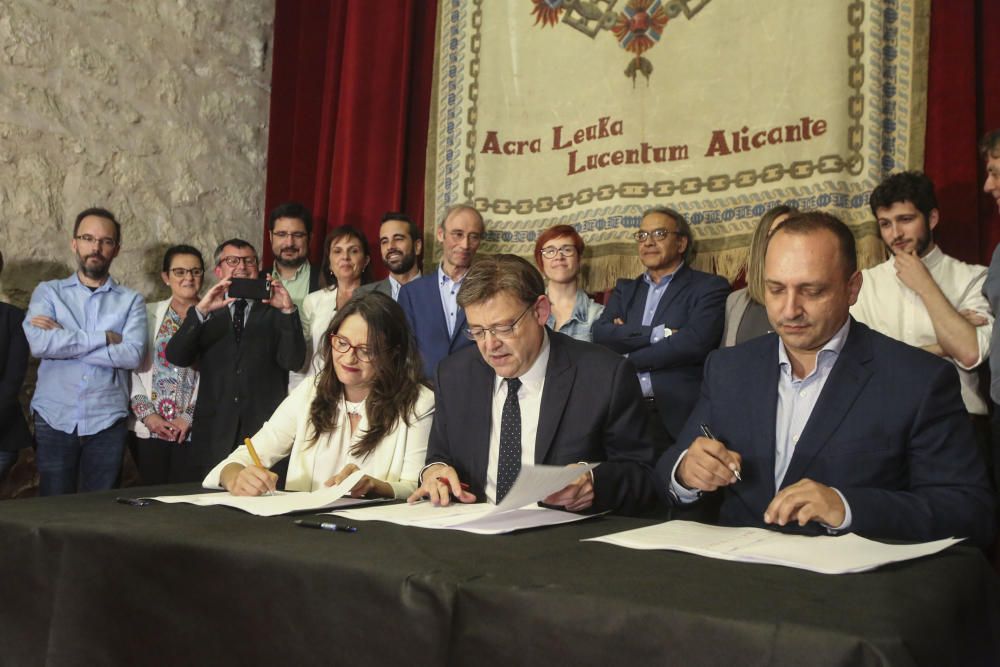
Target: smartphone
<point>250,288</point>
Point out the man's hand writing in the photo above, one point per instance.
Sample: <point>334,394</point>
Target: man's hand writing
<point>440,484</point>
<point>708,465</point>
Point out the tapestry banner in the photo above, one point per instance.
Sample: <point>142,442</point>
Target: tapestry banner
<point>586,113</point>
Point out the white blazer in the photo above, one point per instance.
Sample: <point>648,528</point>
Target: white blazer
<point>142,377</point>
<point>318,309</point>
<point>396,460</point>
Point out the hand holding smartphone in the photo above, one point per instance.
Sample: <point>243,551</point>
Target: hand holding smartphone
<point>258,289</point>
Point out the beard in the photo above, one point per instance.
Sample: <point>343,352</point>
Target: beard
<point>94,270</point>
<point>403,265</point>
<point>924,243</point>
<point>293,263</point>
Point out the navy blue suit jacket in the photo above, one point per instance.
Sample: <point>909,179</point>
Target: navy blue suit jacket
<point>420,299</point>
<point>695,305</point>
<point>590,411</point>
<point>889,431</point>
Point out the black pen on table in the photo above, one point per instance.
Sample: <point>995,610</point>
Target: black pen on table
<point>325,525</point>
<point>707,432</point>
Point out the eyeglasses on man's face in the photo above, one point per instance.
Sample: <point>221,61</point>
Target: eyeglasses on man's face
<point>178,272</point>
<point>106,242</point>
<point>343,346</point>
<point>658,234</point>
<point>298,236</point>
<point>499,330</point>
<point>233,260</point>
<point>550,251</point>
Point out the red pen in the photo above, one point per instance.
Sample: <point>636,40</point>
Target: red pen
<point>444,480</point>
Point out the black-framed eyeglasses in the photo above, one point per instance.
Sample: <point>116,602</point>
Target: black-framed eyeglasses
<point>106,242</point>
<point>498,331</point>
<point>298,236</point>
<point>550,251</point>
<point>343,346</point>
<point>658,234</point>
<point>233,260</point>
<point>180,273</point>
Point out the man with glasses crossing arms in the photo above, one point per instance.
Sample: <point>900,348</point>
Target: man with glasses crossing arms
<point>89,332</point>
<point>667,320</point>
<point>244,350</point>
<point>526,395</point>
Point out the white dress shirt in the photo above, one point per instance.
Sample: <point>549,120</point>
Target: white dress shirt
<point>888,306</point>
<point>529,399</point>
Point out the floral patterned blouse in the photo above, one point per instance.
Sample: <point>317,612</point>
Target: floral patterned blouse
<point>172,387</point>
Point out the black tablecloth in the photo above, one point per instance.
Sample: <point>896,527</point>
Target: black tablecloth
<point>87,581</point>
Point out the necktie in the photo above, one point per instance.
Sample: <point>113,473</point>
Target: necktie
<point>510,440</point>
<point>239,311</point>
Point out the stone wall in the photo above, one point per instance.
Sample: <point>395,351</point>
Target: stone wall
<point>156,110</point>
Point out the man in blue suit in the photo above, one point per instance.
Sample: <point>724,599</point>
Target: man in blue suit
<point>827,426</point>
<point>667,320</point>
<point>431,302</point>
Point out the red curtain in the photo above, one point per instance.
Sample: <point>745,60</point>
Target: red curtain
<point>350,98</point>
<point>351,89</point>
<point>963,102</point>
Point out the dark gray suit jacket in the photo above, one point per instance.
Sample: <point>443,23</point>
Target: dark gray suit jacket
<point>382,286</point>
<point>591,411</point>
<point>13,364</point>
<point>240,385</point>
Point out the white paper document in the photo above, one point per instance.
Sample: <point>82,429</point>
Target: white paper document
<point>517,511</point>
<point>826,554</point>
<point>281,502</point>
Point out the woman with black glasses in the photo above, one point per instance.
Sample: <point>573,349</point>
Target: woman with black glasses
<point>367,409</point>
<point>558,254</point>
<point>163,395</point>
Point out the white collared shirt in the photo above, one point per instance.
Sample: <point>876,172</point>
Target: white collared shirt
<point>529,398</point>
<point>890,307</point>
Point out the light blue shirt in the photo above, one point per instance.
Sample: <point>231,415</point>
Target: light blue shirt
<point>581,321</point>
<point>796,400</point>
<point>653,297</point>
<point>395,286</point>
<point>83,381</point>
<point>449,298</point>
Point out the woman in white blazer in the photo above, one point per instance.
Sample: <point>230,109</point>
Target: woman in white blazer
<point>368,409</point>
<point>163,395</point>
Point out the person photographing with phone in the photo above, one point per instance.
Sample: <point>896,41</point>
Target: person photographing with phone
<point>244,348</point>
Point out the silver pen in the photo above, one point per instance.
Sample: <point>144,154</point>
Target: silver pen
<point>707,432</point>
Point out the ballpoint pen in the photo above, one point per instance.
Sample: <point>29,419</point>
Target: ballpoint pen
<point>324,525</point>
<point>707,432</point>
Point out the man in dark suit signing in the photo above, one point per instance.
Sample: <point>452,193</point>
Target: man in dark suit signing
<point>826,426</point>
<point>527,395</point>
<point>667,320</point>
<point>244,350</point>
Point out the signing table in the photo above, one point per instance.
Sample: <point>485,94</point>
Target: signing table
<point>87,581</point>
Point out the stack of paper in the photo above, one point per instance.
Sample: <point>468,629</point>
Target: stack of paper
<point>826,554</point>
<point>281,502</point>
<point>517,511</point>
